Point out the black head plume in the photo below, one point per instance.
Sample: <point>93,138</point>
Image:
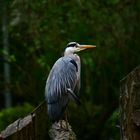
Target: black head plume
<point>72,44</point>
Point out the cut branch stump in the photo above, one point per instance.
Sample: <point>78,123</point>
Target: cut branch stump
<point>61,131</point>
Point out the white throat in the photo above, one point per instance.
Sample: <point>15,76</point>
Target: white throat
<point>69,51</point>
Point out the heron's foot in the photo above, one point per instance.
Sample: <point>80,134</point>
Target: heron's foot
<point>64,125</point>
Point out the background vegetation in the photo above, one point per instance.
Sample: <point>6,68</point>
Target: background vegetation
<point>38,33</point>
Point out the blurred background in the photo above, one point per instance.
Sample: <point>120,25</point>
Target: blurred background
<point>33,36</point>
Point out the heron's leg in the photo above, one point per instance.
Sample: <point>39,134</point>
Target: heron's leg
<point>61,125</point>
<point>66,119</point>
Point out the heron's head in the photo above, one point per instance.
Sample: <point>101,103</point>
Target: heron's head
<point>74,47</point>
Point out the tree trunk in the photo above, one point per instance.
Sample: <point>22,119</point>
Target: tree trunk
<point>7,79</point>
<point>130,106</point>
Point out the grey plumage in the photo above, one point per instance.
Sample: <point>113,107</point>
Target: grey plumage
<point>62,77</point>
<point>63,82</point>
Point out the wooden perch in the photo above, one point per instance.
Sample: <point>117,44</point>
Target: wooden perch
<point>61,131</point>
<point>130,106</point>
<point>32,127</point>
<point>35,126</point>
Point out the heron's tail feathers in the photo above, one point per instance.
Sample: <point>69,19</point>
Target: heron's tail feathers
<point>73,96</point>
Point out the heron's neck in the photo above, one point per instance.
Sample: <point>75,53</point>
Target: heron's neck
<point>68,53</point>
<point>71,55</point>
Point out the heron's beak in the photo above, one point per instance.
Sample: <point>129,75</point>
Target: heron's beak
<point>87,46</point>
<point>82,47</point>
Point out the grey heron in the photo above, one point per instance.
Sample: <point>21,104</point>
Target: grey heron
<point>63,82</point>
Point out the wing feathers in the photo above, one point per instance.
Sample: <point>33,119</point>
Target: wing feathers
<point>61,81</point>
<point>73,96</point>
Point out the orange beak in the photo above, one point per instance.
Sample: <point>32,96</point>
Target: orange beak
<point>87,46</point>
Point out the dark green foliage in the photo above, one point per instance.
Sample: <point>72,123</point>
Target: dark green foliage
<point>112,126</point>
<point>38,34</point>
